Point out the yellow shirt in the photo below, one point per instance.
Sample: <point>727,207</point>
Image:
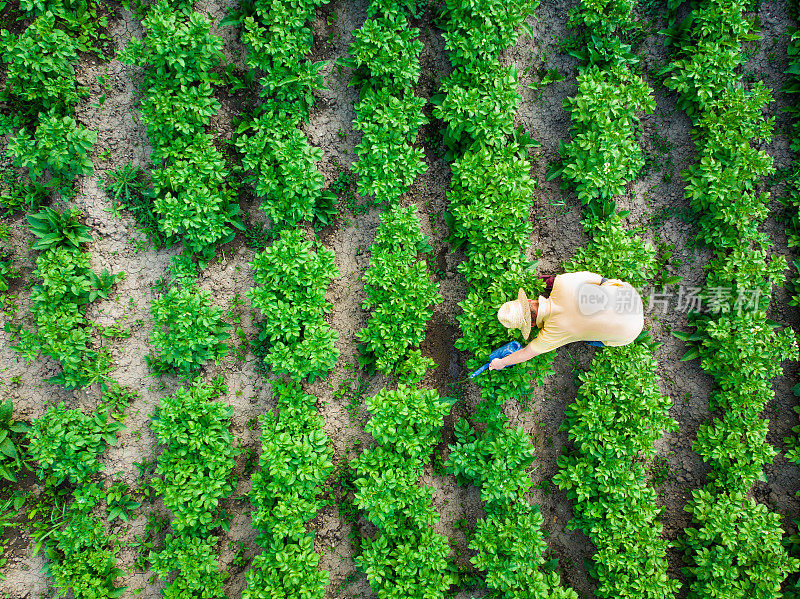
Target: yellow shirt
<point>580,308</point>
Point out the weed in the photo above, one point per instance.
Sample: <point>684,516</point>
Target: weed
<point>659,470</point>
<point>145,543</point>
<point>353,387</point>
<point>258,236</point>
<point>240,553</point>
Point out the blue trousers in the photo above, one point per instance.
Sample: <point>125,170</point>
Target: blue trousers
<point>595,343</point>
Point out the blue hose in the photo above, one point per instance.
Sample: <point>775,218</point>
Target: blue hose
<point>500,352</point>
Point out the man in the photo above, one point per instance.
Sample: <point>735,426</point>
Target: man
<point>583,306</point>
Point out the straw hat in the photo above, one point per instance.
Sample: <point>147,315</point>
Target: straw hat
<point>516,314</point>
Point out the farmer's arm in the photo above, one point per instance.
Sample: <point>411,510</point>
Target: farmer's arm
<point>545,341</point>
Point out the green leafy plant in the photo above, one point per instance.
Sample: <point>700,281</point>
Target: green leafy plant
<point>490,197</point>
<point>44,138</point>
<point>497,461</point>
<point>193,475</point>
<point>41,66</point>
<point>192,556</point>
<point>120,502</point>
<point>476,34</point>
<point>720,184</point>
<point>188,330</point>
<point>399,291</point>
<point>392,574</point>
<point>281,165</point>
<point>385,53</point>
<point>127,188</point>
<point>291,277</point>
<point>615,251</point>
<point>78,17</point>
<point>603,155</point>
<point>59,147</point>
<point>11,431</point>
<point>190,190</point>
<point>296,459</point>
<point>385,60</point>
<point>53,229</point>
<point>14,193</point>
<point>278,37</point>
<point>736,541</point>
<point>144,543</point>
<point>736,342</point>
<point>708,42</point>
<point>7,514</point>
<point>388,163</point>
<point>58,304</point>
<point>5,274</point>
<point>66,444</point>
<point>405,424</point>
<point>510,546</point>
<point>478,105</point>
<point>276,156</point>
<point>79,559</point>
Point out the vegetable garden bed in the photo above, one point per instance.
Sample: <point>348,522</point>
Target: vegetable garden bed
<point>485,175</point>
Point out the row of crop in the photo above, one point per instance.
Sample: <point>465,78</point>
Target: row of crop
<point>277,159</point>
<point>792,542</point>
<point>296,459</point>
<point>490,198</point>
<point>407,557</point>
<point>58,303</point>
<point>619,411</point>
<point>45,141</point>
<point>291,275</point>
<point>385,60</point>
<point>400,294</point>
<point>191,191</point>
<point>191,201</point>
<point>291,278</point>
<point>193,474</point>
<point>50,149</point>
<point>188,329</point>
<point>65,445</point>
<point>735,548</point>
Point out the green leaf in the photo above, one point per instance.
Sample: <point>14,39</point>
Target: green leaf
<point>693,353</point>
